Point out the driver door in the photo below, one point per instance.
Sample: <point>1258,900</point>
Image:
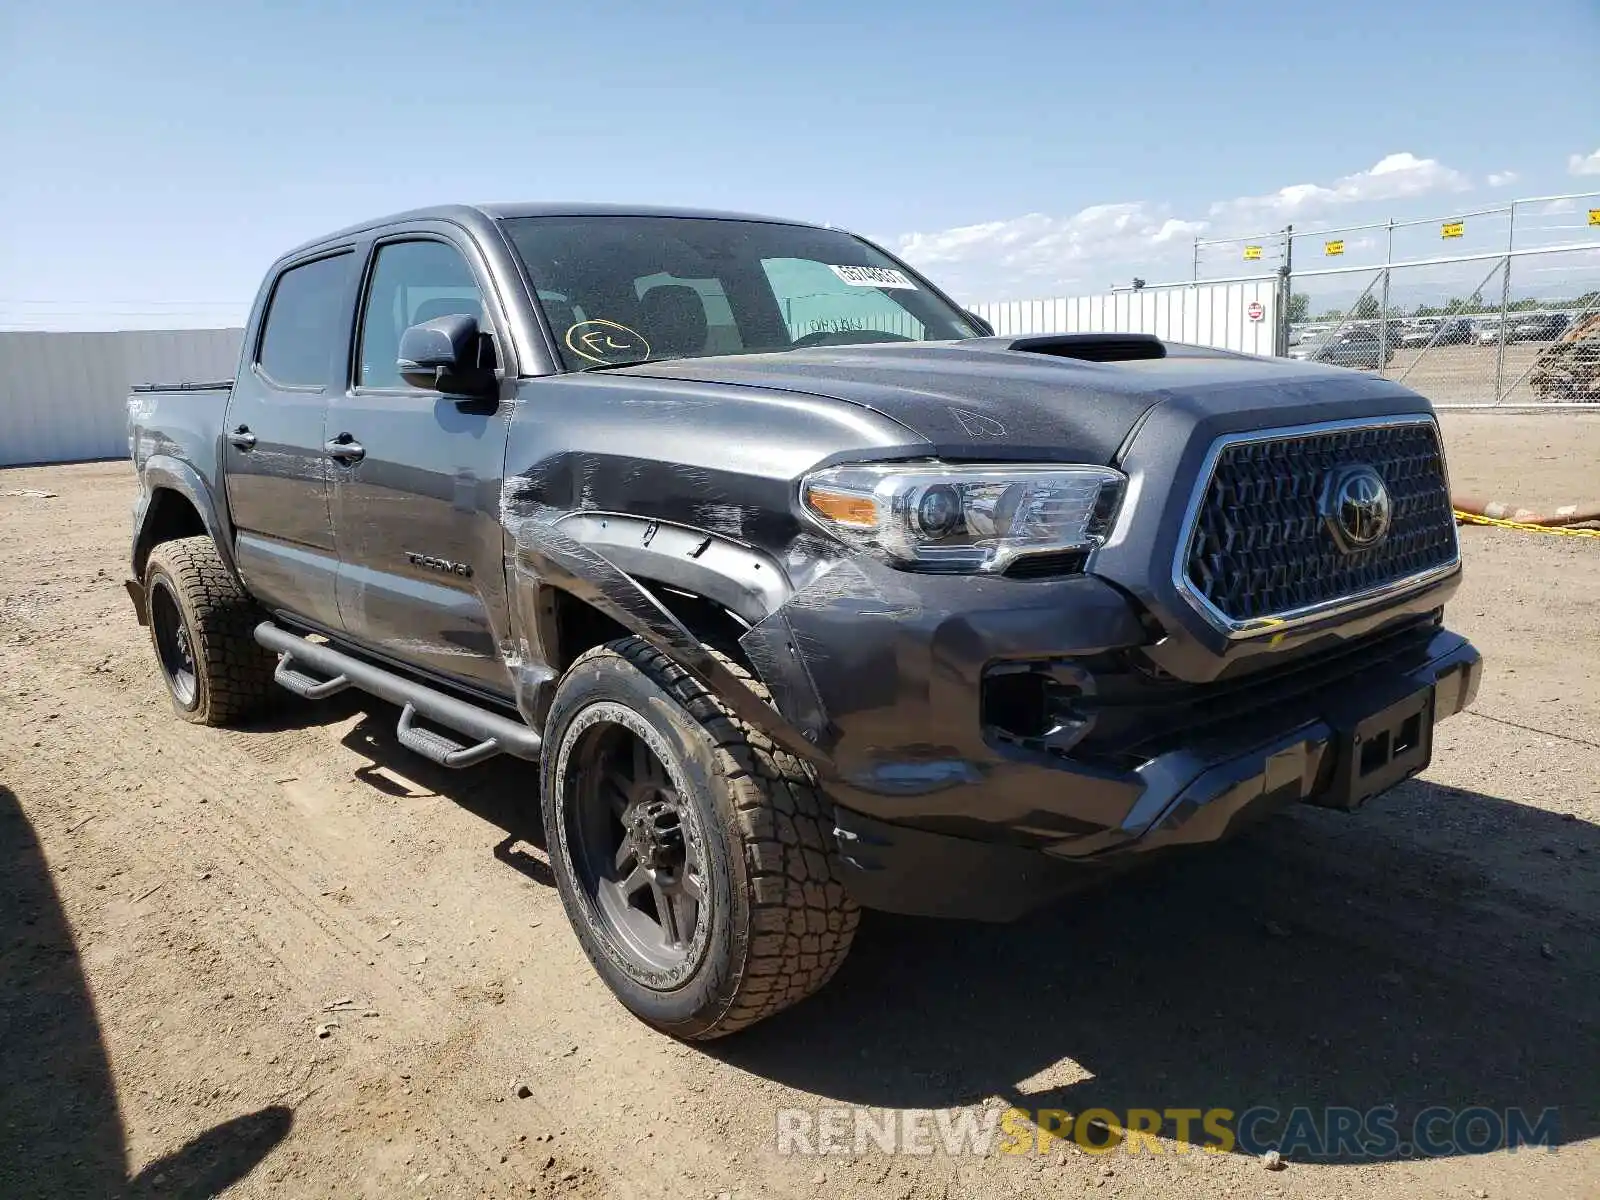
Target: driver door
<point>416,513</point>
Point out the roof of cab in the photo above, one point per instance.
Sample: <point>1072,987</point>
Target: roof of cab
<point>474,214</point>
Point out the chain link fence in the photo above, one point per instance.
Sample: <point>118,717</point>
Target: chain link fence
<point>1498,306</point>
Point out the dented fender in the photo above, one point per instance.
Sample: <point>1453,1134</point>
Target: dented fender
<point>541,556</point>
<point>746,581</point>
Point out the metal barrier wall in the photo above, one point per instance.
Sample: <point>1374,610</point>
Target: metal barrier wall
<point>1497,306</point>
<point>1240,314</point>
<point>63,396</point>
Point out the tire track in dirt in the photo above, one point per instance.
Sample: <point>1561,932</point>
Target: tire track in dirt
<point>250,853</point>
<point>265,843</point>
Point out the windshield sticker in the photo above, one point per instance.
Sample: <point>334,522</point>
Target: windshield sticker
<point>878,277</point>
<point>606,342</point>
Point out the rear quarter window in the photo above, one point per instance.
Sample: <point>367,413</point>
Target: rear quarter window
<point>303,325</point>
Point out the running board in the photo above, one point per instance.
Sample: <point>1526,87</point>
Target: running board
<point>487,733</point>
<point>308,687</point>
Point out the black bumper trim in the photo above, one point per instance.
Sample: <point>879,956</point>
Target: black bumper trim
<point>895,868</point>
<point>1187,800</point>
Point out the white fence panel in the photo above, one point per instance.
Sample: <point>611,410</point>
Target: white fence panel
<point>63,395</point>
<point>1239,316</point>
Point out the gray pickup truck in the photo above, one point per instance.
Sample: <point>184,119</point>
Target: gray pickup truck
<point>805,592</point>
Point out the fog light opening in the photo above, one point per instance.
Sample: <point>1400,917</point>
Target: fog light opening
<point>1029,704</point>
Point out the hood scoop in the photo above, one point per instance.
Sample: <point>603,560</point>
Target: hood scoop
<point>1094,347</point>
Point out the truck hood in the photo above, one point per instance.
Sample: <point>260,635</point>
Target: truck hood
<point>1033,396</point>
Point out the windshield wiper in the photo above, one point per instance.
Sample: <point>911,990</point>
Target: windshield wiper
<point>632,362</point>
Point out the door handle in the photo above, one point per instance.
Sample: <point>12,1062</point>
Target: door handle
<point>345,449</point>
<point>242,438</point>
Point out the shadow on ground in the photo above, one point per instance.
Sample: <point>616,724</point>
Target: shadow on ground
<point>503,791</point>
<point>60,1131</point>
<point>1320,960</point>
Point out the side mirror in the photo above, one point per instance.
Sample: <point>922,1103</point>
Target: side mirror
<point>983,325</point>
<point>443,355</point>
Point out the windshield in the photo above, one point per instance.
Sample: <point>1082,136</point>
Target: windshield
<point>619,289</point>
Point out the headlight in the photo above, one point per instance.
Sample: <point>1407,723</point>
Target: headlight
<point>963,519</point>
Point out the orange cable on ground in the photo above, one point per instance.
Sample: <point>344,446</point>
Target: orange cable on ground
<point>1473,518</point>
<point>1499,510</point>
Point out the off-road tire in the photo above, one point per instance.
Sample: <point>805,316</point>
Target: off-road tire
<point>233,673</point>
<point>789,919</point>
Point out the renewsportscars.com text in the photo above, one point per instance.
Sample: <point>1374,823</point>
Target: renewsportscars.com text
<point>1342,1134</point>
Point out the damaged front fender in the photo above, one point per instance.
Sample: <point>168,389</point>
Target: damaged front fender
<point>541,557</point>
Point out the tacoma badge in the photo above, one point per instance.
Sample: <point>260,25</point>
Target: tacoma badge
<point>438,564</point>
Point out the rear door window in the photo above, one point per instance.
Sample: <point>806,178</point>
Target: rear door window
<point>304,325</point>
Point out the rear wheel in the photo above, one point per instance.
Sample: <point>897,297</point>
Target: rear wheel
<point>694,859</point>
<point>202,627</point>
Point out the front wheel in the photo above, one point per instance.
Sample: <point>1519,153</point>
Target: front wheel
<point>694,859</point>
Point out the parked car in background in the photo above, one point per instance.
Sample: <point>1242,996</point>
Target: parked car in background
<point>1305,333</point>
<point>1569,368</point>
<point>1538,327</point>
<point>1352,348</point>
<point>1489,331</point>
<point>1414,334</point>
<point>1433,331</point>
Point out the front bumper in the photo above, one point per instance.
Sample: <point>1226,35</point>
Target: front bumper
<point>1187,796</point>
<point>941,813</point>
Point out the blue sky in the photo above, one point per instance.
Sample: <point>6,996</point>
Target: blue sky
<point>157,155</point>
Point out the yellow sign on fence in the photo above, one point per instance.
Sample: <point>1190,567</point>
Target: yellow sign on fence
<point>1252,253</point>
<point>1453,229</point>
<point>1333,247</point>
<point>1594,216</point>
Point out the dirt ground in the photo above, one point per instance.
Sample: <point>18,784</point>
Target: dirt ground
<point>296,960</point>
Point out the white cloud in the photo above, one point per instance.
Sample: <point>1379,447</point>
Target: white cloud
<point>1584,164</point>
<point>1393,177</point>
<point>1037,251</point>
<point>1040,254</point>
<point>1501,178</point>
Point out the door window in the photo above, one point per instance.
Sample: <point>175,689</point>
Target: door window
<point>412,282</point>
<point>303,323</point>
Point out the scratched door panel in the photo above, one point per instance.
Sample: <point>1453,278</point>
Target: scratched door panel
<point>417,520</point>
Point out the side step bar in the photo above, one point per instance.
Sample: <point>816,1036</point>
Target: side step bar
<point>490,733</point>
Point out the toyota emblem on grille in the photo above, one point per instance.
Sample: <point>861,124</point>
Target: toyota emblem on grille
<point>1357,508</point>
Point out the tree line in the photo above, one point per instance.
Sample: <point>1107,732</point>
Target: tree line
<point>1368,308</point>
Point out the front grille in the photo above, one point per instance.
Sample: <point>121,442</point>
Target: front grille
<point>1260,546</point>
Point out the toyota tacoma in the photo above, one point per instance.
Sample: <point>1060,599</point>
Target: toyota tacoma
<point>804,592</point>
